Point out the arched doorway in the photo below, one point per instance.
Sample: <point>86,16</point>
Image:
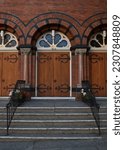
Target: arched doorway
<point>98,62</point>
<point>9,62</point>
<point>53,65</point>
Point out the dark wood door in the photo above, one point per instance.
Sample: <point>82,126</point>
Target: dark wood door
<point>61,74</point>
<point>98,73</point>
<point>53,74</point>
<point>0,74</point>
<point>45,74</point>
<point>9,70</point>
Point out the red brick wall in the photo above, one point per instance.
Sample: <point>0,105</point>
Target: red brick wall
<point>79,17</point>
<point>28,9</point>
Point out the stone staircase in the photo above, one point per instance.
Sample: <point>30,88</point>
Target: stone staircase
<point>51,119</point>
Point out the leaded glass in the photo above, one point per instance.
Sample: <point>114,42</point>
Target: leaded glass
<point>57,38</point>
<point>49,38</point>
<point>7,40</point>
<point>63,43</point>
<point>98,40</point>
<point>11,43</point>
<point>53,40</point>
<point>43,43</point>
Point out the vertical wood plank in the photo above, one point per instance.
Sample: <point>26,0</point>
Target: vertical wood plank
<point>45,74</point>
<point>10,71</point>
<point>53,73</point>
<point>97,70</point>
<point>1,73</point>
<point>61,80</point>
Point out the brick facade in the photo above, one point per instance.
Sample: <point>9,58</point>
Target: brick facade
<point>76,18</point>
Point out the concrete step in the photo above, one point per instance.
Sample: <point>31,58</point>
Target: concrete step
<point>102,101</point>
<point>57,109</point>
<point>2,109</point>
<point>50,123</point>
<point>39,116</point>
<point>53,119</point>
<point>55,101</point>
<point>48,131</point>
<point>18,138</point>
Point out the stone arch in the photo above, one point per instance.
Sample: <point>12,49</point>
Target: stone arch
<point>91,23</point>
<point>48,28</point>
<point>57,21</point>
<point>14,25</point>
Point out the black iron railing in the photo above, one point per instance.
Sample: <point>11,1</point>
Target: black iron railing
<point>16,99</point>
<point>88,98</point>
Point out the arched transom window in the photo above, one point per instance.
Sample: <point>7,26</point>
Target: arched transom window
<point>98,41</point>
<point>53,40</point>
<point>7,40</point>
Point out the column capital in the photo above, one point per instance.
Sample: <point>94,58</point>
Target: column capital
<point>26,49</point>
<point>80,49</point>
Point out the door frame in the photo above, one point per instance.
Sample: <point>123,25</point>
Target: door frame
<point>36,69</point>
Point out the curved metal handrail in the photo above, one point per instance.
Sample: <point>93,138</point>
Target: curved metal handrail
<point>14,102</point>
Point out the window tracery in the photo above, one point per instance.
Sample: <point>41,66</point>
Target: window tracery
<point>53,40</point>
<point>98,40</point>
<point>7,40</point>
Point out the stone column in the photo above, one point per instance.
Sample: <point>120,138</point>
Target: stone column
<point>81,52</point>
<point>25,52</point>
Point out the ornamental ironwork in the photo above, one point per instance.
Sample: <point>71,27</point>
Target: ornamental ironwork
<point>64,58</point>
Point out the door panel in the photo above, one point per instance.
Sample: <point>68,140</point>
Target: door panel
<point>53,73</point>
<point>61,74</point>
<point>105,62</point>
<point>10,71</point>
<point>45,74</point>
<point>98,73</point>
<point>0,74</point>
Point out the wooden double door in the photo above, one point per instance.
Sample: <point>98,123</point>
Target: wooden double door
<point>98,73</point>
<point>53,78</point>
<point>9,71</point>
